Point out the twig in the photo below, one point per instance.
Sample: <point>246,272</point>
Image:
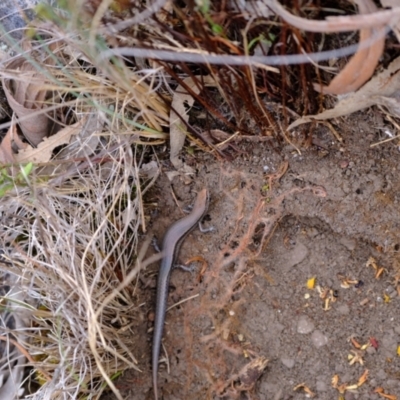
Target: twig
<point>27,355</point>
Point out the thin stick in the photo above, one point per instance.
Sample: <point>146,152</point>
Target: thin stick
<point>27,355</point>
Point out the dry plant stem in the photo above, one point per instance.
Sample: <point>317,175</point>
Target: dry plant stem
<point>389,117</point>
<point>261,106</point>
<point>139,194</point>
<point>338,24</point>
<point>140,265</point>
<point>335,133</point>
<point>96,20</point>
<point>27,355</point>
<point>182,301</point>
<point>191,56</point>
<point>150,10</point>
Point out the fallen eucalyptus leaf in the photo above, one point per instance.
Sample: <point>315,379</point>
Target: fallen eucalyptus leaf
<point>382,89</point>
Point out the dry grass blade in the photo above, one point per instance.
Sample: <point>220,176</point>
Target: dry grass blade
<point>72,246</point>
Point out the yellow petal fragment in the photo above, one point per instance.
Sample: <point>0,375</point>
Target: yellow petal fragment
<point>311,282</point>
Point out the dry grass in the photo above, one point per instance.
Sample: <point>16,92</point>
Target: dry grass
<point>72,246</point>
<point>69,231</point>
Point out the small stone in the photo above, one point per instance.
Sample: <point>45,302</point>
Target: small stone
<point>381,374</point>
<point>349,396</point>
<point>389,342</point>
<point>296,255</point>
<point>304,325</point>
<point>343,309</point>
<point>343,164</point>
<point>321,386</point>
<point>349,243</point>
<point>392,383</point>
<point>287,362</point>
<point>318,339</point>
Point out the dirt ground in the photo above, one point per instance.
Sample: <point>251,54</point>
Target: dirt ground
<point>282,218</point>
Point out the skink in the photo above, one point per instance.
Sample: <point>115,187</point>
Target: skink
<point>170,247</point>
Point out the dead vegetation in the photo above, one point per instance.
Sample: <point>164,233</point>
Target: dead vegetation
<point>93,86</point>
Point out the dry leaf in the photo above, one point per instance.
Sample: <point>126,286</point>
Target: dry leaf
<point>6,153</point>
<point>382,393</point>
<point>43,152</point>
<point>181,104</point>
<point>338,24</point>
<point>11,144</point>
<point>251,372</point>
<point>382,89</point>
<point>362,65</point>
<point>26,97</point>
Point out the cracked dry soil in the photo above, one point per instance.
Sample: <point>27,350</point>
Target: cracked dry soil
<point>335,207</point>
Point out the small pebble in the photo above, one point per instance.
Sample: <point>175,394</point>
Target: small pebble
<point>343,309</point>
<point>318,339</point>
<point>287,362</point>
<point>321,386</point>
<point>304,325</point>
<point>392,383</point>
<point>344,164</point>
<point>381,374</point>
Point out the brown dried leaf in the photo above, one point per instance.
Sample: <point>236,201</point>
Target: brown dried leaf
<point>43,152</point>
<point>382,89</point>
<point>6,153</point>
<point>10,144</point>
<point>382,393</point>
<point>251,372</point>
<point>338,24</point>
<point>362,65</point>
<point>26,97</point>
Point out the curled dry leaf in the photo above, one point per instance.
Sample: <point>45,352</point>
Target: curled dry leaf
<point>245,379</point>
<point>383,89</point>
<point>43,152</point>
<point>11,144</point>
<point>6,152</point>
<point>338,24</point>
<point>27,98</point>
<point>250,373</point>
<point>362,65</point>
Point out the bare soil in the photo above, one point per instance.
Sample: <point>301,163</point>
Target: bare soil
<point>334,207</point>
